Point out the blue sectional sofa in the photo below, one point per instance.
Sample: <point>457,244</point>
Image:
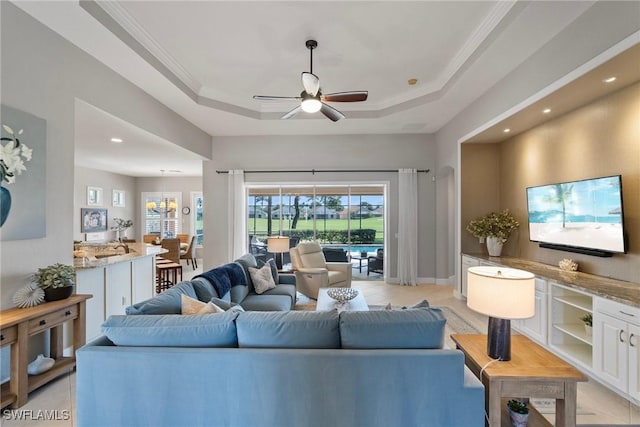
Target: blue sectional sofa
<point>238,290</point>
<point>277,369</point>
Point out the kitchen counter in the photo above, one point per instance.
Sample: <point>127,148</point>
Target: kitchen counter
<point>107,254</point>
<point>617,290</point>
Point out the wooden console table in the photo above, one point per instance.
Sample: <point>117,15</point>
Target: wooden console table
<point>531,372</point>
<point>18,324</point>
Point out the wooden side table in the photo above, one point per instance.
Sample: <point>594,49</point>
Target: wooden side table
<point>18,324</point>
<point>531,372</point>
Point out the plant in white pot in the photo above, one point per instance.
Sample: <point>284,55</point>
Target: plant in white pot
<point>518,412</point>
<point>57,281</point>
<point>495,228</point>
<point>588,323</point>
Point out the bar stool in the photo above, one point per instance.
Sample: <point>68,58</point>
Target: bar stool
<point>167,275</point>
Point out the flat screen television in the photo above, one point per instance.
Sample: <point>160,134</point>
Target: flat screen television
<point>579,216</point>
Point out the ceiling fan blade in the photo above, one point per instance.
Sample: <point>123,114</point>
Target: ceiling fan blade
<point>353,96</point>
<point>274,98</point>
<point>291,113</point>
<point>333,114</point>
<point>311,83</point>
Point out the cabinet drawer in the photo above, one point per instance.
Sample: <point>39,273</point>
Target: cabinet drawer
<point>618,310</point>
<point>8,335</point>
<point>52,319</point>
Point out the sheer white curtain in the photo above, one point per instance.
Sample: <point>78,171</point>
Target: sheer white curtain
<point>408,227</point>
<point>237,215</point>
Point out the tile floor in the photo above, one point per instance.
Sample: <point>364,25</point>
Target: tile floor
<point>597,404</point>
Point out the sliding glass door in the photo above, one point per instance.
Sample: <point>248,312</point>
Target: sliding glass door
<point>345,216</point>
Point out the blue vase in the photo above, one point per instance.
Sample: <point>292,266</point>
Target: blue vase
<point>5,205</point>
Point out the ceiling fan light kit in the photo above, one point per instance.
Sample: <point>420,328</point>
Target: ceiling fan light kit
<point>311,98</point>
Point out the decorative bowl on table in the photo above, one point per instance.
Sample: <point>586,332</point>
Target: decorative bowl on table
<point>342,294</point>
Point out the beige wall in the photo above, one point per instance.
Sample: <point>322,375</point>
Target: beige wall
<point>599,139</point>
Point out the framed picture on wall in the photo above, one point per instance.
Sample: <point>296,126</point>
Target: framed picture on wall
<point>94,196</point>
<point>118,198</point>
<point>93,220</point>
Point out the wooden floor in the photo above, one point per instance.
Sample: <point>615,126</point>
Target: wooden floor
<point>596,404</point>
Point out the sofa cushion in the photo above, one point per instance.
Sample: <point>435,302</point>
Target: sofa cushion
<point>193,306</point>
<point>336,276</point>
<point>226,305</point>
<point>262,278</point>
<point>292,329</point>
<point>288,290</point>
<point>246,261</point>
<point>255,302</point>
<point>168,302</point>
<point>207,330</point>
<point>411,328</point>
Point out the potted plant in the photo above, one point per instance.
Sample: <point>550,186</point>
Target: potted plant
<point>496,227</point>
<point>57,281</point>
<point>121,226</point>
<point>518,412</point>
<point>588,323</point>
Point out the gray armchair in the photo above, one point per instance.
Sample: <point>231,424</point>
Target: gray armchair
<point>313,272</point>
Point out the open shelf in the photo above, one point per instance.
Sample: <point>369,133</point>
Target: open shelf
<point>575,330</point>
<point>579,352</point>
<point>62,366</point>
<point>7,397</point>
<point>579,301</point>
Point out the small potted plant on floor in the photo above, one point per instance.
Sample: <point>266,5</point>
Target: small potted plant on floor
<point>519,412</point>
<point>57,281</point>
<point>588,323</point>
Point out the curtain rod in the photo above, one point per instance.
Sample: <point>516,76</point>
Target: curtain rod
<point>314,171</point>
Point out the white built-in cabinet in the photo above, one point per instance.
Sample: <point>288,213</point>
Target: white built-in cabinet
<point>114,287</point>
<point>616,339</point>
<point>609,352</point>
<point>536,326</point>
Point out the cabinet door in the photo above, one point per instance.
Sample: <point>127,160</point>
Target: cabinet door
<point>611,350</point>
<point>118,288</point>
<point>634,361</point>
<point>143,274</point>
<point>91,281</point>
<point>466,263</point>
<point>536,326</point>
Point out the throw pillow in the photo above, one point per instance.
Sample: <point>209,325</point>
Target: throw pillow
<point>274,268</point>
<point>262,278</point>
<point>193,306</point>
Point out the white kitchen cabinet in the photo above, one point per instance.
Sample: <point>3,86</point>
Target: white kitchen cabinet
<point>91,281</point>
<point>616,330</point>
<point>117,288</point>
<point>114,287</point>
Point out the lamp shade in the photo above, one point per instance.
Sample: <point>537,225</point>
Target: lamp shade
<point>277,244</point>
<point>505,293</point>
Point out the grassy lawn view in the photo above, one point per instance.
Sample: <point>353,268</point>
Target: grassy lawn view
<point>258,226</point>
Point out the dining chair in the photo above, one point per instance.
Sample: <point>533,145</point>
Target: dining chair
<point>173,246</point>
<point>189,253</point>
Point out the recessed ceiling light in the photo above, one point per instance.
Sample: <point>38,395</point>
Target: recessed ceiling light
<point>507,130</point>
<point>609,80</point>
<point>116,139</point>
<point>412,81</point>
<point>546,110</point>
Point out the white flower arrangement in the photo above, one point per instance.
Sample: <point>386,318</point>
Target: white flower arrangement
<point>13,154</point>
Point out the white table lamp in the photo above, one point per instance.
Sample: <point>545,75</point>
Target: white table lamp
<point>502,294</point>
<point>278,245</point>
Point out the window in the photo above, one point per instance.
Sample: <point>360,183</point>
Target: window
<point>162,213</point>
<point>196,212</point>
<point>347,216</point>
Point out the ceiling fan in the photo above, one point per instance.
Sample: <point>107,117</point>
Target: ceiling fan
<point>312,99</point>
